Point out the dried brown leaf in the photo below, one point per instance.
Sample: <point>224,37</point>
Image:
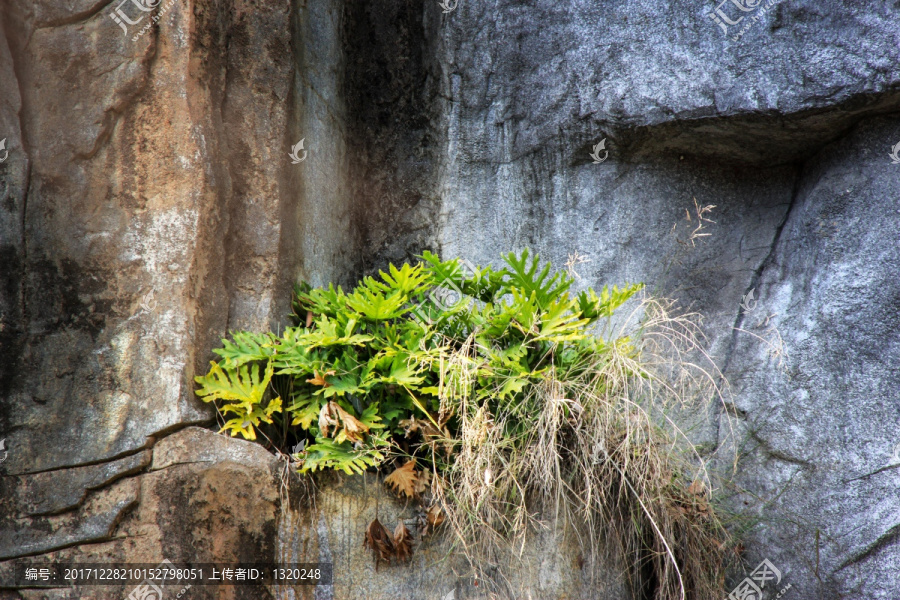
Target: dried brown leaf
<point>411,425</point>
<point>435,516</point>
<point>332,415</point>
<point>422,480</point>
<point>379,540</point>
<point>697,488</point>
<point>402,542</point>
<point>327,419</point>
<point>354,429</point>
<point>404,480</point>
<point>320,379</point>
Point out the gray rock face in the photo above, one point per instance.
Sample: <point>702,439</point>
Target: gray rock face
<point>779,131</point>
<point>201,497</point>
<point>148,204</point>
<point>820,395</point>
<point>554,566</point>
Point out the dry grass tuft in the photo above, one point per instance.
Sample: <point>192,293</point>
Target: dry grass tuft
<point>596,449</point>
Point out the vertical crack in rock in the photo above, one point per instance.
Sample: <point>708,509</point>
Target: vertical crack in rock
<point>757,273</point>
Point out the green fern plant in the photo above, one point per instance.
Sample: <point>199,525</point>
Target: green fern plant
<point>512,373</point>
<point>364,351</point>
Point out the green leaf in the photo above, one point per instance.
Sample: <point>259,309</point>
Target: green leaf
<point>559,324</point>
<point>242,390</point>
<point>374,305</point>
<point>526,277</point>
<point>330,332</point>
<point>305,410</point>
<point>403,372</point>
<point>408,280</point>
<point>246,347</point>
<point>326,453</point>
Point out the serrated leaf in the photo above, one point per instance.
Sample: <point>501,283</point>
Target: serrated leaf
<point>404,480</point>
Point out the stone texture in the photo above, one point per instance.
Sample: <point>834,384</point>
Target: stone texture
<point>208,498</point>
<point>553,565</point>
<point>148,205</point>
<point>204,498</point>
<point>752,127</point>
<point>627,69</point>
<point>817,390</point>
<point>155,164</point>
<point>53,492</point>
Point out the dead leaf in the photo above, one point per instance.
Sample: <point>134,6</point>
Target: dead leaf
<point>354,429</point>
<point>402,542</point>
<point>332,415</point>
<point>328,419</point>
<point>320,379</point>
<point>379,541</point>
<point>430,434</point>
<point>309,318</point>
<point>422,481</point>
<point>435,516</point>
<point>430,519</point>
<point>404,480</point>
<point>410,425</point>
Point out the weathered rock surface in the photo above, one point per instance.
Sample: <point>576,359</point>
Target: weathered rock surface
<point>148,204</point>
<point>553,566</point>
<point>818,390</point>
<point>203,498</point>
<point>208,498</point>
<point>780,132</point>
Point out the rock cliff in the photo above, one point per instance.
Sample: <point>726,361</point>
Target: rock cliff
<point>148,204</point>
